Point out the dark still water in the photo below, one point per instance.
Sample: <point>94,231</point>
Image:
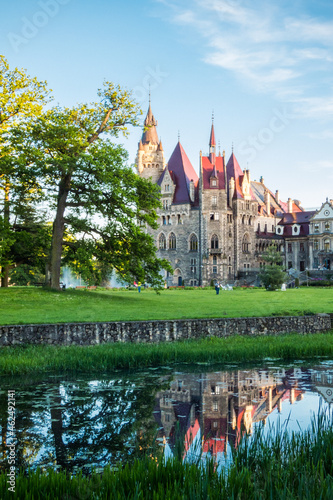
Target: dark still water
<point>77,422</point>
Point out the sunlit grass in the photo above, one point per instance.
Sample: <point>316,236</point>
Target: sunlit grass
<point>35,305</point>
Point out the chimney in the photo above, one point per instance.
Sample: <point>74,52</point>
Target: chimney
<point>192,190</point>
<point>277,197</point>
<point>231,190</point>
<point>290,205</point>
<point>268,202</point>
<point>262,180</point>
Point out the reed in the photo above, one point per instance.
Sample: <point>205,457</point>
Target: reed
<point>282,467</point>
<point>108,357</point>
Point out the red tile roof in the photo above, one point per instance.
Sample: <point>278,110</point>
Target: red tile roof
<point>207,170</point>
<point>182,173</point>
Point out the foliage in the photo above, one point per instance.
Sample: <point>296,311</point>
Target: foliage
<point>272,276</point>
<point>21,97</point>
<point>24,274</point>
<point>96,197</point>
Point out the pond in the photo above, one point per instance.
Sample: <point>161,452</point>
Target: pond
<point>79,422</point>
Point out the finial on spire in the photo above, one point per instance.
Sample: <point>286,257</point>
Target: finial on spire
<point>232,147</point>
<point>213,116</point>
<point>149,94</point>
<point>219,148</point>
<point>178,136</point>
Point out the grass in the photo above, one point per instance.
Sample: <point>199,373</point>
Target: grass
<point>283,468</point>
<point>108,357</point>
<point>22,305</point>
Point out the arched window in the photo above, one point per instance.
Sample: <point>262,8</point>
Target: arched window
<point>162,242</point>
<point>172,241</point>
<point>214,242</point>
<point>246,244</point>
<point>193,243</point>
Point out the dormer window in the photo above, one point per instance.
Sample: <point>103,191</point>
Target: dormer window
<point>214,182</point>
<point>167,188</point>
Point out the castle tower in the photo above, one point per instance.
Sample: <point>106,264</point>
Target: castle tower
<point>150,159</point>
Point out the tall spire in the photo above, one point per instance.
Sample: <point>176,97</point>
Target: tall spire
<point>212,143</point>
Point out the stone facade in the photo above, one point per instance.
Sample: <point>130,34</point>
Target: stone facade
<point>159,331</point>
<point>216,226</point>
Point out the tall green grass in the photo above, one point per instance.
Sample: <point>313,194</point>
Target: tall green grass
<point>285,467</point>
<point>107,357</point>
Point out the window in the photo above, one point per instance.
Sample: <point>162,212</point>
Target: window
<point>213,182</point>
<point>162,242</point>
<point>302,265</point>
<point>214,260</point>
<point>166,204</point>
<point>193,243</point>
<point>247,205</point>
<point>326,245</point>
<point>167,188</point>
<point>163,220</point>
<point>316,245</point>
<point>214,201</point>
<point>193,262</point>
<point>169,220</point>
<point>316,227</point>
<point>214,269</point>
<point>290,264</point>
<point>327,226</point>
<point>179,219</point>
<point>217,216</point>
<point>229,218</point>
<point>172,241</point>
<point>215,406</point>
<point>289,248</point>
<point>212,216</point>
<point>214,242</point>
<point>246,244</point>
<point>301,246</point>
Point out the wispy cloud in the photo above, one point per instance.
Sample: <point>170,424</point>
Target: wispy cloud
<point>267,47</point>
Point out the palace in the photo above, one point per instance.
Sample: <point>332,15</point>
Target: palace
<point>216,226</point>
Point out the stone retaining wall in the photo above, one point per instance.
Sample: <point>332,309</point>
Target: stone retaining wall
<point>159,331</point>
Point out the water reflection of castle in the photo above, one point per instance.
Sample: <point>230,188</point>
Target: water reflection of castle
<point>217,408</point>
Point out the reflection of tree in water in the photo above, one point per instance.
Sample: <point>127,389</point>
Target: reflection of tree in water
<point>28,442</point>
<point>80,424</point>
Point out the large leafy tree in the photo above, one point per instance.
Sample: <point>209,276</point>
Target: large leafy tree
<point>97,198</point>
<point>21,98</point>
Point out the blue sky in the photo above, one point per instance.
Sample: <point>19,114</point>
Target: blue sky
<point>264,68</point>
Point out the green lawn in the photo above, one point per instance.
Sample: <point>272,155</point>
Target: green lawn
<point>35,305</point>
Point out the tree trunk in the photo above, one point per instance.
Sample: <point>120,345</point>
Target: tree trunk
<point>58,232</point>
<point>5,268</point>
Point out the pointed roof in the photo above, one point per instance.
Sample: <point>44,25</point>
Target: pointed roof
<point>215,169</point>
<point>182,173</point>
<point>234,170</point>
<point>150,134</point>
<point>160,147</point>
<point>212,141</point>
